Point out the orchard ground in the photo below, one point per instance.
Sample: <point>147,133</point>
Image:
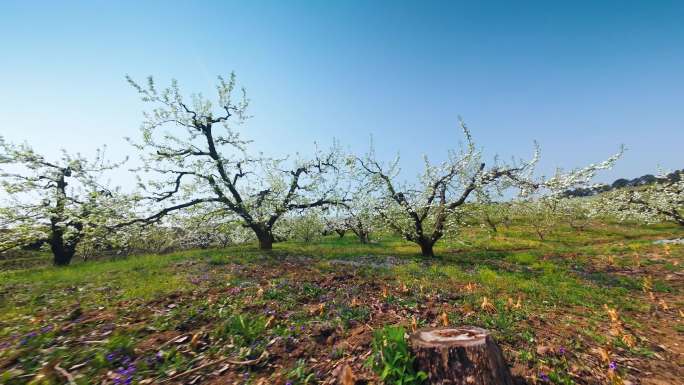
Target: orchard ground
<point>600,306</point>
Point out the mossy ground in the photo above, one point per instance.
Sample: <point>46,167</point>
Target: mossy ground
<point>301,311</point>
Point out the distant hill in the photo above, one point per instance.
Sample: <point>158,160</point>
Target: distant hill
<point>622,183</point>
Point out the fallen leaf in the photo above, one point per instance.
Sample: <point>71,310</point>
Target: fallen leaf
<point>647,284</point>
<point>603,354</point>
<point>663,304</point>
<point>444,319</point>
<point>628,339</point>
<point>269,322</point>
<point>486,305</point>
<point>194,342</point>
<point>612,313</point>
<point>518,304</point>
<point>347,376</point>
<point>543,349</point>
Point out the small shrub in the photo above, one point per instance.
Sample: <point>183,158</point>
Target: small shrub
<point>301,375</point>
<point>392,359</point>
<point>357,314</point>
<point>244,329</point>
<point>311,290</point>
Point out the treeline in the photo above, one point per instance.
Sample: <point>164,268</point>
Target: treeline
<point>672,177</point>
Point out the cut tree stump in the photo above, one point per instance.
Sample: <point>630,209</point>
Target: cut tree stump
<point>459,356</point>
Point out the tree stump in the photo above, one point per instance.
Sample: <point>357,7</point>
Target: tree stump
<point>459,356</point>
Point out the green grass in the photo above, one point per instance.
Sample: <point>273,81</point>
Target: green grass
<point>229,295</point>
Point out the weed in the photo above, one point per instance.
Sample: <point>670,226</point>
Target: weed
<point>244,329</point>
<point>301,375</point>
<point>392,360</point>
<point>357,314</point>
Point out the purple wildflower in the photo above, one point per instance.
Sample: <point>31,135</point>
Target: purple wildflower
<point>234,291</point>
<point>150,361</point>
<point>125,376</point>
<point>544,377</point>
<point>612,365</point>
<point>561,350</point>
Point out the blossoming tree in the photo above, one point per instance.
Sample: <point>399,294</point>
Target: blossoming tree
<point>488,209</point>
<point>198,157</point>
<point>61,203</point>
<point>358,212</point>
<point>424,211</point>
<point>651,203</point>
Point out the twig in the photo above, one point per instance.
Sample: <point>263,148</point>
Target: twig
<point>66,374</point>
<point>174,339</point>
<point>220,360</point>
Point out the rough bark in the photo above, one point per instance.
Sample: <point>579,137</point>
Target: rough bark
<point>62,252</point>
<point>266,240</point>
<point>363,236</point>
<point>459,356</point>
<point>426,248</point>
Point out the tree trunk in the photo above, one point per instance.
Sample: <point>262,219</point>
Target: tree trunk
<point>678,217</point>
<point>61,253</point>
<point>364,236</point>
<point>340,233</point>
<point>459,356</point>
<point>62,257</point>
<point>265,240</point>
<point>426,248</point>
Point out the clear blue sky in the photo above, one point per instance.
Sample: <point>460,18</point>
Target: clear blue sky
<point>580,77</point>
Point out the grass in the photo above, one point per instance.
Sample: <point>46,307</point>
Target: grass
<point>310,301</point>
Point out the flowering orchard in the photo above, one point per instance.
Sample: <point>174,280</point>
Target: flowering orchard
<point>205,160</point>
<point>424,211</point>
<point>652,203</point>
<point>61,204</point>
<point>200,185</point>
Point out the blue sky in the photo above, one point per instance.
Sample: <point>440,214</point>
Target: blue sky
<point>579,77</point>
